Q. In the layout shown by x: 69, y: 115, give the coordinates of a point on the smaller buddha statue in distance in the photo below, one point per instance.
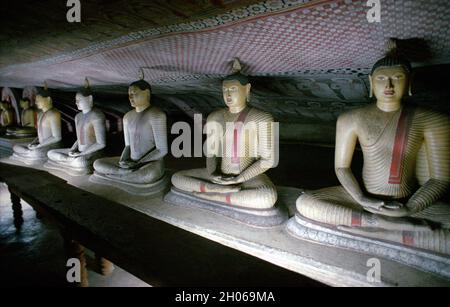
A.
x: 91, y: 138
x: 48, y: 128
x: 28, y: 121
x: 6, y: 116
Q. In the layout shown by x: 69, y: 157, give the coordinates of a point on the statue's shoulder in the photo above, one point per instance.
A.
x: 356, y: 114
x: 216, y: 115
x: 129, y: 115
x: 431, y: 117
x: 97, y: 114
x: 421, y: 111
x: 155, y: 111
x: 54, y: 112
x: 258, y: 115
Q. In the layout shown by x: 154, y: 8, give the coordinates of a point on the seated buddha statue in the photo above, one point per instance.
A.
x: 28, y: 118
x: 49, y: 132
x: 406, y: 169
x: 90, y: 129
x: 6, y: 116
x: 140, y: 168
x: 234, y: 178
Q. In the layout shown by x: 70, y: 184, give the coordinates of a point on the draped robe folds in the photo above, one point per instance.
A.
x: 90, y: 130
x: 145, y: 134
x: 49, y: 136
x: 411, y: 149
x: 238, y: 157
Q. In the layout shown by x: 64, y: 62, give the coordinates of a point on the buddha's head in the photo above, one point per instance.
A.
x: 84, y: 100
x: 390, y: 78
x: 43, y: 100
x: 236, y: 90
x: 24, y: 103
x: 139, y: 93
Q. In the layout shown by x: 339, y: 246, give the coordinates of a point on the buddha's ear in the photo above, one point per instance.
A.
x: 247, y: 91
x: 410, y: 81
x: 148, y: 93
x: 371, y: 87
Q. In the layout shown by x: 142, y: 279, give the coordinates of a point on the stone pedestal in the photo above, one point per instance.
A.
x: 148, y: 189
x: 306, y: 229
x: 29, y: 161
x: 21, y: 132
x: 8, y: 142
x: 254, y: 217
x: 73, y: 171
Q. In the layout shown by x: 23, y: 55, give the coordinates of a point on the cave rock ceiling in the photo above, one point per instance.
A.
x: 308, y: 60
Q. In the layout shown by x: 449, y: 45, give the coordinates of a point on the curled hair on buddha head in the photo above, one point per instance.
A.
x: 43, y: 91
x: 86, y: 91
x: 237, y: 75
x: 141, y: 83
x: 392, y: 58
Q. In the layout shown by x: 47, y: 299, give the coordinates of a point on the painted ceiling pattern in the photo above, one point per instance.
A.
x: 308, y: 59
x: 275, y: 37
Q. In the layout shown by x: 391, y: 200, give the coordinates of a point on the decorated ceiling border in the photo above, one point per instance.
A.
x: 235, y: 15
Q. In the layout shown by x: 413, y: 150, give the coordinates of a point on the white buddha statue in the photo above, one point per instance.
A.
x: 140, y: 168
x: 91, y: 139
x: 49, y: 132
x: 234, y: 182
x: 406, y: 168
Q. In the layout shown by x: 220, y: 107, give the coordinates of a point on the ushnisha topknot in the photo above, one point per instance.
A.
x: 43, y: 91
x: 392, y: 58
x: 86, y: 91
x: 141, y: 83
x: 237, y: 75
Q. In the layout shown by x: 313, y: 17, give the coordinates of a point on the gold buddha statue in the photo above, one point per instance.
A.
x: 233, y: 182
x: 49, y: 132
x: 28, y: 117
x: 140, y: 168
x: 406, y: 169
x: 91, y: 138
x: 6, y: 116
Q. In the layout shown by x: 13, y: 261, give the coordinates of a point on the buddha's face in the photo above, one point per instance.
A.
x: 83, y: 103
x: 24, y: 104
x: 234, y: 93
x: 43, y: 102
x: 390, y: 83
x: 138, y: 97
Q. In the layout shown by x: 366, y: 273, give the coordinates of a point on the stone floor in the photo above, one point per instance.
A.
x: 34, y: 254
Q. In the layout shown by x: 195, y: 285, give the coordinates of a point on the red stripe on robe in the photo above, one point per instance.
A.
x: 408, y: 238
x: 356, y: 219
x: 228, y: 199
x: 400, y: 143
x: 36, y: 119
